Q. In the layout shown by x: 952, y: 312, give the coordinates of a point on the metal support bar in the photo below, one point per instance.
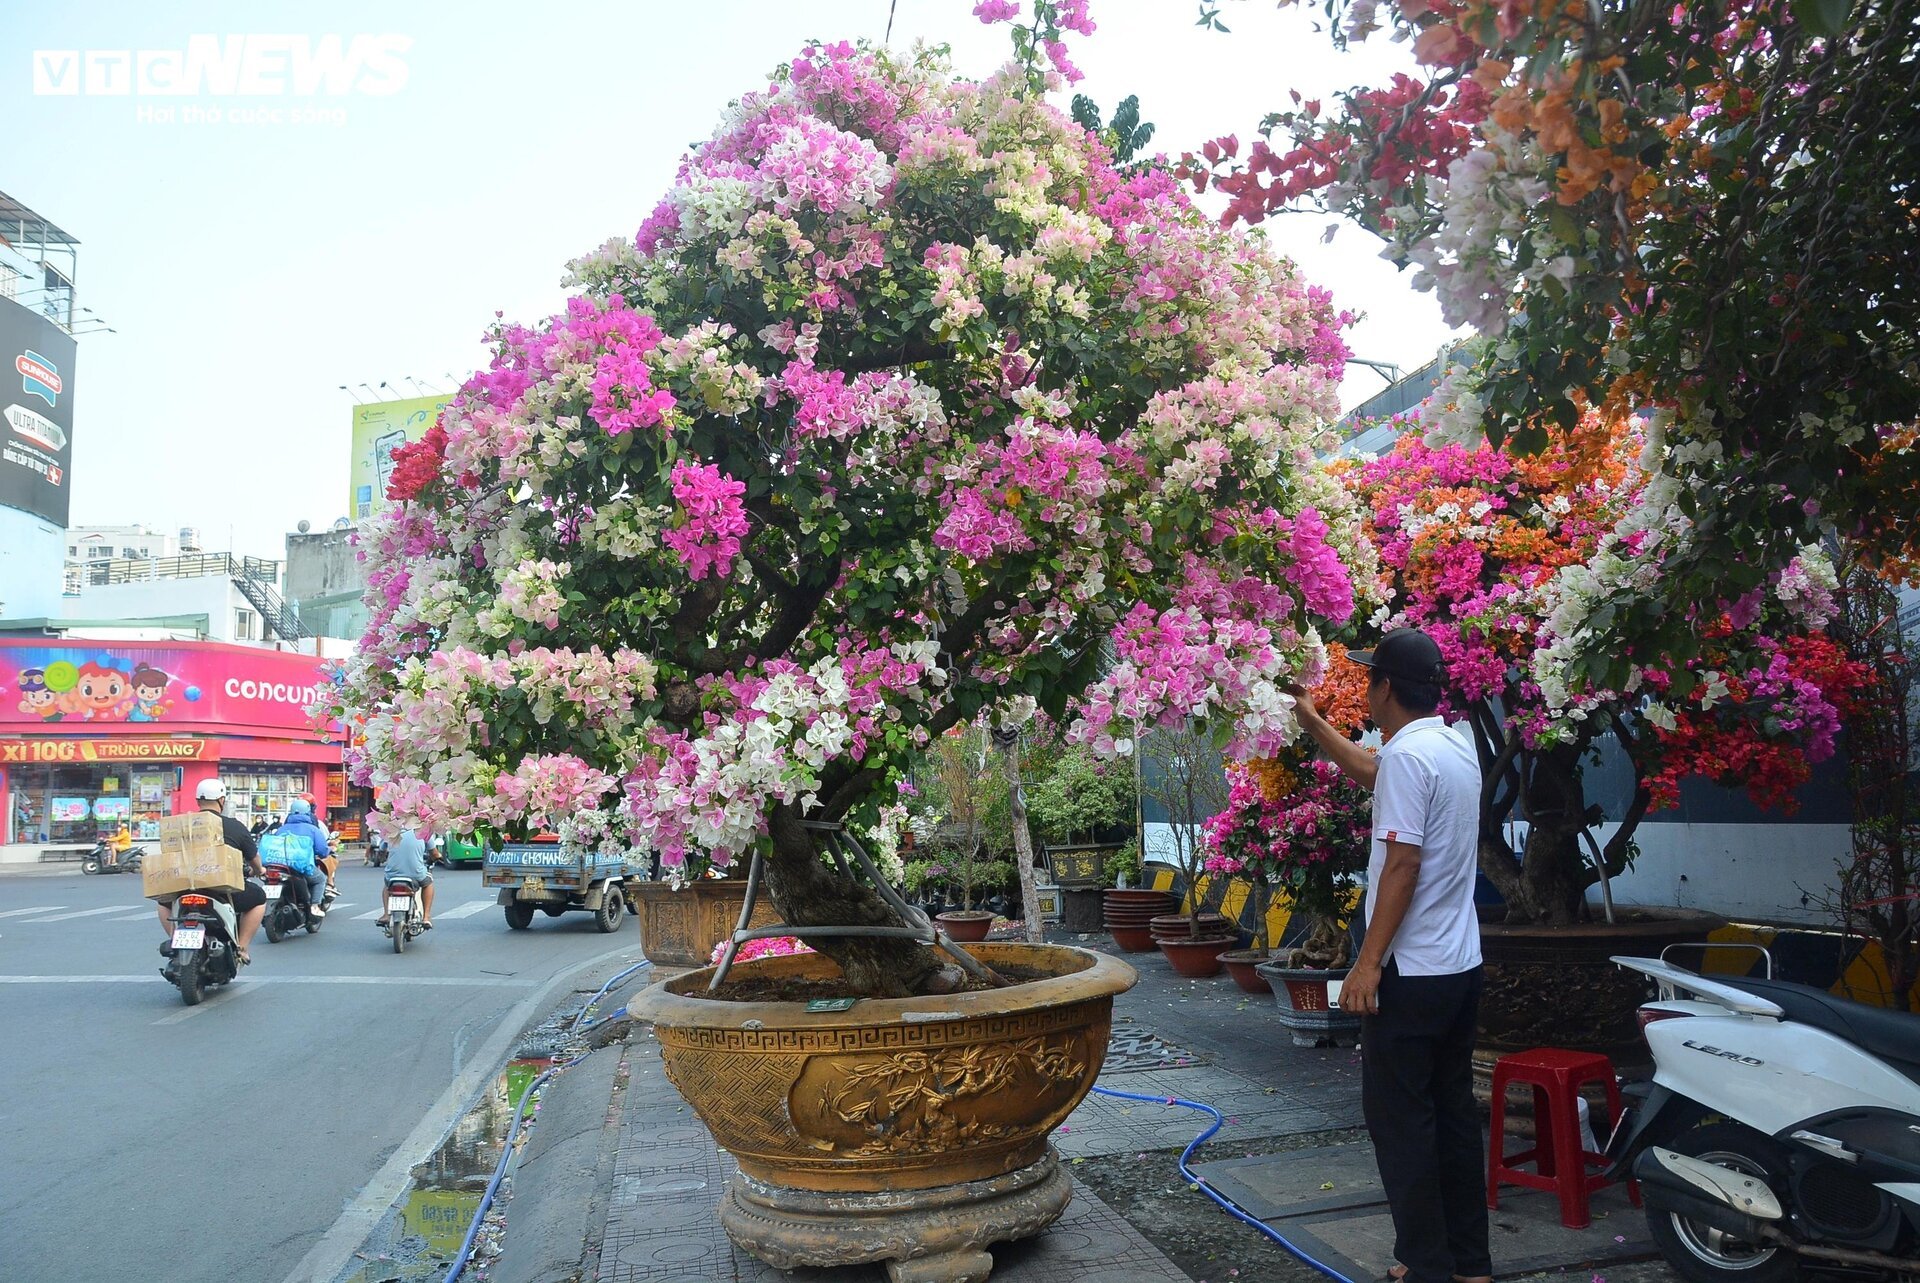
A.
x: 968, y: 963
x: 919, y: 928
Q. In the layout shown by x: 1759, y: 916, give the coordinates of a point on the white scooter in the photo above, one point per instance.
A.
x: 1781, y: 1130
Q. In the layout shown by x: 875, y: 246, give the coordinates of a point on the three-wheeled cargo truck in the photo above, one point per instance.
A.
x: 546, y: 877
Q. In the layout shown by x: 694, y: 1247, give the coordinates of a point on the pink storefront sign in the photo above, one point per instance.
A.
x: 110, y: 687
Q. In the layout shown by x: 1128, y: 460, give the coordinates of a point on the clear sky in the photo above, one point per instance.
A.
x: 251, y: 269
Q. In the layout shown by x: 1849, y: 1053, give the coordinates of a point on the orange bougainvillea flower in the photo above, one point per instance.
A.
x: 1342, y: 696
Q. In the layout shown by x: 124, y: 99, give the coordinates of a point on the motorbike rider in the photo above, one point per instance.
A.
x: 250, y: 902
x: 330, y: 857
x: 408, y: 859
x: 300, y: 823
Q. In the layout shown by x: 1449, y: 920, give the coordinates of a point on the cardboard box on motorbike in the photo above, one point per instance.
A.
x: 193, y: 856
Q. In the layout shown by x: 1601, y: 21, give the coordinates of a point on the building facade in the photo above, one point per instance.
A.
x: 37, y: 355
x: 88, y: 546
x: 234, y: 599
x: 97, y: 734
x: 325, y: 582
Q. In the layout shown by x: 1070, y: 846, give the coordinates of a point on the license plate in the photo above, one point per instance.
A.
x: 273, y: 890
x: 399, y: 904
x: 534, y: 884
x: 189, y: 937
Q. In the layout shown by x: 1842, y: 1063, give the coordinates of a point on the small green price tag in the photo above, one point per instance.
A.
x: 831, y: 1004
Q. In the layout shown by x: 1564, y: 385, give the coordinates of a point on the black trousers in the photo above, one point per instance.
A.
x: 1416, y: 1087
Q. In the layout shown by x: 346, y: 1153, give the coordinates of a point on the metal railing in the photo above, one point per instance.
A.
x: 199, y: 565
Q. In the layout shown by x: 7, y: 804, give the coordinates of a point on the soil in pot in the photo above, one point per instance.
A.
x: 1240, y: 964
x: 1196, y: 959
x: 745, y: 986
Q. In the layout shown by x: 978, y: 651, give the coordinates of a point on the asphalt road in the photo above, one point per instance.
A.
x: 254, y: 1138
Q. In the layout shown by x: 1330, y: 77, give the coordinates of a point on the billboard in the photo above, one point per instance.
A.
x: 108, y: 687
x: 377, y: 429
x: 36, y: 401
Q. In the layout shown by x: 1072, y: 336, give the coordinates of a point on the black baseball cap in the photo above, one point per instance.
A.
x: 1406, y: 653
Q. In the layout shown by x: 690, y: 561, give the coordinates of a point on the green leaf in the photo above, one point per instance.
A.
x: 1823, y: 17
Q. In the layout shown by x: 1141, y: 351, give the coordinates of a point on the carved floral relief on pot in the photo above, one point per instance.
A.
x: 942, y: 1099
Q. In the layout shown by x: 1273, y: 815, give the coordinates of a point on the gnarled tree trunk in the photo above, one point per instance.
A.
x: 811, y: 894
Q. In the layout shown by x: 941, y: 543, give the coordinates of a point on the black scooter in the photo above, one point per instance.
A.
x: 104, y: 859
x: 289, y: 903
x: 201, y: 953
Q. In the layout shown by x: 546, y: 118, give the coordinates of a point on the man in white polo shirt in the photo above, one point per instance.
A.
x: 1416, y: 982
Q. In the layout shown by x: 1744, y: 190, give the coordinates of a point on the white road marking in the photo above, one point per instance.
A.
x: 467, y: 910
x: 329, y: 1257
x: 474, y: 982
x: 368, y: 916
x: 219, y: 997
x: 44, y: 908
x: 82, y: 913
x: 148, y: 916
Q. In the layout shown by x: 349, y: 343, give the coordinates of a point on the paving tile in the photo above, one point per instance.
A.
x: 1526, y: 1236
x: 1333, y: 1178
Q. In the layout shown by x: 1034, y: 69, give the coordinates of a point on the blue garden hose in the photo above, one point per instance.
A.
x: 1198, y: 1182
x: 519, y: 1111
x: 601, y: 992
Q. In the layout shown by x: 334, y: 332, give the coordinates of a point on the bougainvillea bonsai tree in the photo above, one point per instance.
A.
x: 1680, y: 206
x: 1484, y: 551
x: 905, y: 401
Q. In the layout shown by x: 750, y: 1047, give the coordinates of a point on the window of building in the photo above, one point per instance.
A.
x: 243, y: 625
x: 99, y: 554
x: 9, y: 282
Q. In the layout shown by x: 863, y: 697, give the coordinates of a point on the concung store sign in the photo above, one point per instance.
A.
x: 113, y: 688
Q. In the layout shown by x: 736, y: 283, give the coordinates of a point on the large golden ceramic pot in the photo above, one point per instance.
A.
x: 679, y: 928
x: 895, y: 1093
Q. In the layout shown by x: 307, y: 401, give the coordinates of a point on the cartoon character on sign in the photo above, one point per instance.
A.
x: 149, y: 688
x: 102, y: 694
x: 37, y: 699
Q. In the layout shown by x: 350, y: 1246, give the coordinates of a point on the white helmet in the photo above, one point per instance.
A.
x: 210, y: 791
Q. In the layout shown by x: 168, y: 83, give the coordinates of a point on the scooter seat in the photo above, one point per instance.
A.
x: 1891, y: 1035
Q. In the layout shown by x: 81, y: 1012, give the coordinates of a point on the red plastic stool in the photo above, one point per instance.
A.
x: 1556, y: 1077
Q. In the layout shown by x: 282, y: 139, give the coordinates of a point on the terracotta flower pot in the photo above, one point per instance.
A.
x: 1177, y: 926
x: 908, y: 1129
x: 1135, y: 896
x: 1241, y: 964
x: 1132, y: 939
x: 1196, y: 959
x: 680, y: 928
x: 966, y: 926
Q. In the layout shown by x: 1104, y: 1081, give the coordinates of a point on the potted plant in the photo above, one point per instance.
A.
x: 1185, y: 776
x: 925, y: 882
x: 1296, y: 823
x: 812, y: 470
x: 974, y: 875
x: 962, y: 799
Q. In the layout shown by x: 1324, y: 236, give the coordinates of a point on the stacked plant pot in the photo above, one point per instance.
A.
x: 1193, y: 946
x: 1129, y: 916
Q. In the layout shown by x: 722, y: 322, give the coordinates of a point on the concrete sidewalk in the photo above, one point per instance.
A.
x: 1291, y: 1151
